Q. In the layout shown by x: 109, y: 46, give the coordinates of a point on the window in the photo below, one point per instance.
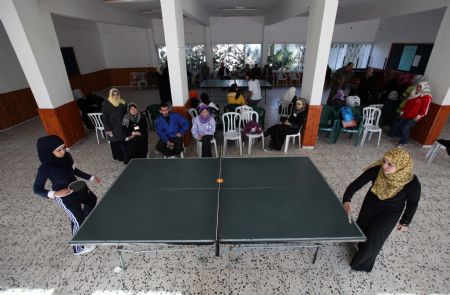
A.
x: 235, y: 56
x: 195, y: 56
x: 286, y: 56
x: 343, y: 53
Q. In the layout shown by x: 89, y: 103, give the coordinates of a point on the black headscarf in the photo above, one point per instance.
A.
x: 45, y: 147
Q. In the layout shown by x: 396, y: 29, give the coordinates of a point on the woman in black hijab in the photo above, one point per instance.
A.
x: 58, y: 166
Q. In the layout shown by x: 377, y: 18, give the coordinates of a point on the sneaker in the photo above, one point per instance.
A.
x: 86, y: 250
x: 401, y: 145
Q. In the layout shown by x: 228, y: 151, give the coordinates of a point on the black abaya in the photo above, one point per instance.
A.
x: 377, y: 218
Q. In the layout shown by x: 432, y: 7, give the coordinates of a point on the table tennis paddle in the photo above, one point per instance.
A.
x: 77, y: 185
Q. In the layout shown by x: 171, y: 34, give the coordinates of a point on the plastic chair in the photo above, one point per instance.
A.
x: 193, y: 113
x: 231, y: 130
x: 351, y: 130
x: 199, y: 147
x: 247, y: 117
x: 370, y: 123
x: 284, y: 111
x: 295, y: 78
x: 242, y: 109
x: 378, y: 106
x: 142, y: 79
x: 432, y: 153
x: 134, y: 79
x: 293, y: 136
x: 328, y: 122
x: 281, y: 77
x: 97, y: 120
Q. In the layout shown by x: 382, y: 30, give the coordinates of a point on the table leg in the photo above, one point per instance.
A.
x: 315, y: 254
x: 121, y: 260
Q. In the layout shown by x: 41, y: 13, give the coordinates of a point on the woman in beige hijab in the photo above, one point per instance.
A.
x: 113, y: 109
x: 394, y: 188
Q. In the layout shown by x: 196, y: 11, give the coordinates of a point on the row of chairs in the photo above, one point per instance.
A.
x: 367, y: 124
x: 138, y: 79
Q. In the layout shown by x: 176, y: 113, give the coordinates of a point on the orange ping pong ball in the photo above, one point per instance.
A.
x: 219, y: 180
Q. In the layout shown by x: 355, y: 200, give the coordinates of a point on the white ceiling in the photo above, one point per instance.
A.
x: 214, y: 7
x: 348, y: 10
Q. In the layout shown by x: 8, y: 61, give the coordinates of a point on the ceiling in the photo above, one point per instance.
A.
x: 214, y: 7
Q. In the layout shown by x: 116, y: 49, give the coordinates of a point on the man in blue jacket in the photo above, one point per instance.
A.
x: 170, y: 127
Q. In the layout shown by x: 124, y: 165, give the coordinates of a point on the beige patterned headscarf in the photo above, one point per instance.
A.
x: 387, y: 186
x: 115, y: 102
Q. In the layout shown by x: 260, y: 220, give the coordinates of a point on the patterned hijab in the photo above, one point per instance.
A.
x: 387, y: 186
x: 425, y: 90
x: 115, y: 102
x: 128, y: 117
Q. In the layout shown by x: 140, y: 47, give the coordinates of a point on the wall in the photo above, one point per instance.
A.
x: 84, y: 37
x: 124, y: 47
x: 11, y: 74
x: 411, y: 28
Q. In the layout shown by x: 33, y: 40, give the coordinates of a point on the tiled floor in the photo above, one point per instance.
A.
x: 35, y: 257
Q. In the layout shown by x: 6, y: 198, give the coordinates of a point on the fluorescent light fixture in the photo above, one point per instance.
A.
x: 240, y: 8
x: 150, y: 11
x: 126, y: 1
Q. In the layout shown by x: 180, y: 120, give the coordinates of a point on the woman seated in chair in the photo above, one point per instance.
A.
x: 135, y: 129
x: 338, y: 100
x: 235, y: 95
x: 290, y: 126
x: 204, y: 99
x: 203, y: 128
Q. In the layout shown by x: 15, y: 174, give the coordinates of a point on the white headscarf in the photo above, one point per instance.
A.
x: 425, y: 90
x: 288, y: 96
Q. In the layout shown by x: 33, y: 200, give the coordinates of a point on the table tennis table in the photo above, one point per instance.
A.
x: 269, y: 201
x: 241, y: 83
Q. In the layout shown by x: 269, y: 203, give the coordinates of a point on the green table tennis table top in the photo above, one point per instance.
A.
x: 261, y: 200
x: 241, y: 83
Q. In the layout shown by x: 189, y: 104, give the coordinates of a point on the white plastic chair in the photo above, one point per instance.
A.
x: 142, y: 79
x: 370, y: 123
x: 231, y: 130
x: 295, y: 78
x: 134, y: 79
x: 193, y: 113
x: 293, y: 136
x: 96, y: 119
x: 432, y: 153
x: 281, y: 77
x: 247, y: 117
x: 243, y: 108
x: 284, y: 111
x: 199, y: 147
x: 378, y: 106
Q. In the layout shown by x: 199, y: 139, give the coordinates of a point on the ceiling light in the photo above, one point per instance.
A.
x: 240, y: 8
x: 126, y: 1
x: 155, y: 10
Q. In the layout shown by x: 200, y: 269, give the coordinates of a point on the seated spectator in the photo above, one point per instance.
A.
x: 289, y: 96
x: 135, y: 128
x: 338, y: 100
x: 87, y: 104
x: 170, y: 127
x: 204, y: 99
x: 235, y: 95
x: 290, y: 126
x: 203, y: 128
x: 193, y: 96
x: 415, y: 108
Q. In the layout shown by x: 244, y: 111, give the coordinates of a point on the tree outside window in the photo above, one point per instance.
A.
x: 195, y: 56
x: 235, y: 56
x: 286, y: 56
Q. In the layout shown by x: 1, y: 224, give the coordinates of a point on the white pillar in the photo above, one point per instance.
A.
x: 152, y: 48
x: 438, y: 71
x: 172, y: 16
x: 321, y: 20
x: 264, y: 48
x: 33, y: 37
x: 209, y: 50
